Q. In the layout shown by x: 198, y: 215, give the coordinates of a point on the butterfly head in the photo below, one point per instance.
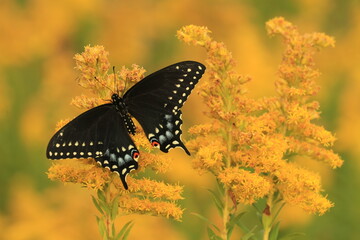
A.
x: 115, y: 98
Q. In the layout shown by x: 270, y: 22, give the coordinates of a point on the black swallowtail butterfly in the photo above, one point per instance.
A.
x: 103, y: 132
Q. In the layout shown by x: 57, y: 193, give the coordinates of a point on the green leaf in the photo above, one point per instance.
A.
x: 212, y: 235
x: 249, y: 234
x: 101, y: 196
x: 102, y: 227
x: 126, y: 233
x: 292, y: 236
x: 258, y: 212
x: 231, y: 224
x: 113, y: 230
x: 206, y: 220
x: 115, y: 208
x: 243, y: 227
x: 274, y: 233
x: 218, y: 202
x: 277, y: 209
x: 96, y: 203
x: 220, y: 188
x: 123, y: 230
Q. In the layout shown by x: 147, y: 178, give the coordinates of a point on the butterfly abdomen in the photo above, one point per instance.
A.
x: 123, y: 111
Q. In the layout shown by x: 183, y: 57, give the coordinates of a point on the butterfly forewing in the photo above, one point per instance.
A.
x: 98, y: 133
x: 156, y: 101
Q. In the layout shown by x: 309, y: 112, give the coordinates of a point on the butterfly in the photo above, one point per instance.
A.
x: 103, y: 132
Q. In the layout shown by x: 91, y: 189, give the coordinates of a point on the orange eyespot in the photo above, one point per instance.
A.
x: 155, y: 144
x: 136, y: 155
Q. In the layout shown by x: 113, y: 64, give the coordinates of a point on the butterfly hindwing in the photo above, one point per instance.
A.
x: 98, y: 133
x: 156, y: 100
x: 165, y: 131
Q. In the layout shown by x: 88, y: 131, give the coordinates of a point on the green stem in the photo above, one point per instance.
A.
x: 225, y: 214
x: 267, y: 217
x: 226, y: 211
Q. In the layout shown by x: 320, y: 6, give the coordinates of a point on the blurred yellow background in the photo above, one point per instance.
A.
x: 38, y: 39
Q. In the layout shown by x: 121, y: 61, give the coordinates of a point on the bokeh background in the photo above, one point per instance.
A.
x: 38, y: 39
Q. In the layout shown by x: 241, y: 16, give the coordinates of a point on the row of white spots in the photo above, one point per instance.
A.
x: 76, y: 144
x: 67, y: 154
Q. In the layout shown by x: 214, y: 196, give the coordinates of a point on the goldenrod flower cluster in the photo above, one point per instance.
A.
x: 251, y: 143
x: 144, y: 195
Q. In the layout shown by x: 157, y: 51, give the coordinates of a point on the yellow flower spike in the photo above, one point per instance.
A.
x: 61, y: 123
x: 81, y: 171
x: 132, y: 75
x: 93, y: 64
x: 146, y: 206
x: 84, y: 102
x: 194, y: 35
x: 144, y: 196
x: 205, y: 129
x: 156, y: 190
x: 247, y: 187
x: 247, y: 151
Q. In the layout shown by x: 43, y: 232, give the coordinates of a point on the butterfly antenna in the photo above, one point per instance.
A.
x: 103, y: 84
x: 115, y: 85
x: 122, y: 94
